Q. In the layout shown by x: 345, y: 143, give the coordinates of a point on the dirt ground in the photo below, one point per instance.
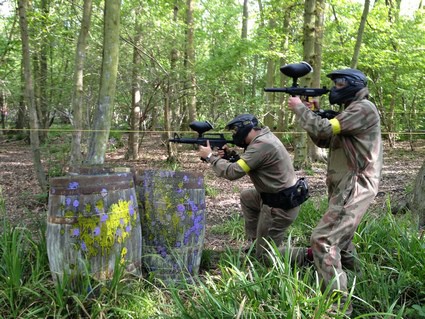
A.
x: 25, y: 205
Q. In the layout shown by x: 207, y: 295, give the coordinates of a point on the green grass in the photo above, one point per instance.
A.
x: 391, y: 254
x: 233, y: 226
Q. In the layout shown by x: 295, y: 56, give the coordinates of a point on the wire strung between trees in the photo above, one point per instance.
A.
x: 162, y: 132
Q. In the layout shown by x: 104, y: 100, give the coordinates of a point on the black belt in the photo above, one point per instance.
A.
x: 289, y: 197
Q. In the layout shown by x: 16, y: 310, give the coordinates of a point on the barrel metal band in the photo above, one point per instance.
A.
x: 62, y: 220
x: 54, y: 190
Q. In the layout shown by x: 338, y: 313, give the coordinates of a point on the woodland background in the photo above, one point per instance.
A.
x: 108, y: 82
x: 95, y: 69
x: 158, y: 65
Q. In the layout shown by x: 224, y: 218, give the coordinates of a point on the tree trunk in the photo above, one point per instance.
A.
x: 301, y: 145
x: 271, y: 67
x: 317, y: 154
x: 190, y: 61
x: 283, y: 113
x: 417, y: 204
x: 244, y: 34
x: 77, y: 99
x: 21, y: 117
x: 44, y: 51
x: 3, y: 111
x: 169, y: 107
x: 242, y: 90
x: 30, y: 97
x: 103, y: 112
x: 133, y: 137
x: 360, y: 32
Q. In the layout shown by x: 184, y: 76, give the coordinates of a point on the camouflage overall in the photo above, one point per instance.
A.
x: 354, y: 168
x: 268, y: 164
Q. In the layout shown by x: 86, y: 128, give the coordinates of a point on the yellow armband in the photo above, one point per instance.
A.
x: 243, y: 165
x: 336, y: 126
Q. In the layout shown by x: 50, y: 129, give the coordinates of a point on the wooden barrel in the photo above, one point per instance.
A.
x: 93, y: 223
x: 173, y: 222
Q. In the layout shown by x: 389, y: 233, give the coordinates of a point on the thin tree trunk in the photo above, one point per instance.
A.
x: 133, y: 137
x: 283, y: 113
x: 360, y: 32
x: 317, y: 154
x: 417, y: 204
x: 21, y: 118
x: 244, y: 36
x: 103, y: 112
x: 30, y: 97
x: 3, y: 110
x: 190, y: 61
x: 77, y: 99
x: 44, y: 49
x: 301, y: 146
x: 170, y: 94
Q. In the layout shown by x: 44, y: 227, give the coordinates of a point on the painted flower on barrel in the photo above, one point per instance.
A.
x: 97, y: 234
x: 96, y: 231
x: 192, y: 205
x: 73, y: 185
x: 104, y: 192
x: 195, y: 230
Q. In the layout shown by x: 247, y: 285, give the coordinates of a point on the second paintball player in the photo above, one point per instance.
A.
x: 273, y: 204
x: 354, y: 168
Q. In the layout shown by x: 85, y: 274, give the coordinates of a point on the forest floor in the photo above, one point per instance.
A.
x: 26, y: 205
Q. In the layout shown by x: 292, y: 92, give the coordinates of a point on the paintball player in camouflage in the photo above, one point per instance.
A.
x: 268, y: 164
x: 354, y: 168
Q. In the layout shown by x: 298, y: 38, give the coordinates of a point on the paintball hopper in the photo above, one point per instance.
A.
x: 296, y: 70
x: 201, y: 127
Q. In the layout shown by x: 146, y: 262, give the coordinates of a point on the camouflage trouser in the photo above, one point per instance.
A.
x: 331, y: 239
x: 263, y: 222
x: 302, y: 256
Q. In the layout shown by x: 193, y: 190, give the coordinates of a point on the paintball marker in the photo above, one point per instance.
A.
x: 217, y: 140
x: 298, y: 70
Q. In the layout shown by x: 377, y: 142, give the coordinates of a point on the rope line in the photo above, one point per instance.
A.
x: 162, y: 132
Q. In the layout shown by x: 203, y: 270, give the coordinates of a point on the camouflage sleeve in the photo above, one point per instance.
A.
x: 357, y: 117
x: 318, y: 128
x: 224, y: 168
x: 251, y: 159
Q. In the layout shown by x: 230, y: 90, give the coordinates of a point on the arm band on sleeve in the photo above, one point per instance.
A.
x: 243, y: 165
x: 336, y: 126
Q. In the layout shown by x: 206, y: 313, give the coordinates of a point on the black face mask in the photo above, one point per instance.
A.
x: 343, y: 95
x: 240, y: 135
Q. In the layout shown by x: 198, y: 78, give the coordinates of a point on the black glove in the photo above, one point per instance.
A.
x: 231, y: 156
x: 326, y: 114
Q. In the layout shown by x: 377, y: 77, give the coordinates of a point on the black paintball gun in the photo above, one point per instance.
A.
x: 217, y: 140
x: 298, y: 70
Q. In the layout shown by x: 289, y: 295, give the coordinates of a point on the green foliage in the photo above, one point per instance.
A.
x: 211, y: 191
x: 230, y: 71
x: 233, y: 226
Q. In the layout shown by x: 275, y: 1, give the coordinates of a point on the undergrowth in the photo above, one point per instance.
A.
x: 236, y: 285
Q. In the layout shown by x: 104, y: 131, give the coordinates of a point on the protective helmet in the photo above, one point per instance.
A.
x: 241, y: 125
x: 354, y: 79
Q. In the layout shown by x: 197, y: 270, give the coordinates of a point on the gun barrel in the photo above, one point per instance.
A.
x: 300, y: 91
x: 284, y: 90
